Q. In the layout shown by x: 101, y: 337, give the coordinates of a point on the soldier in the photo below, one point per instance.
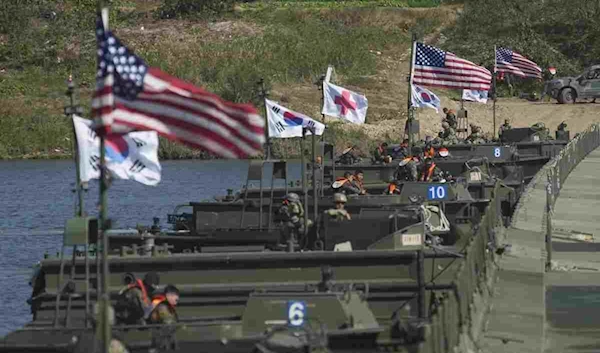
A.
x: 379, y: 155
x: 504, y: 127
x: 134, y: 300
x: 448, y: 136
x: 450, y: 117
x: 541, y: 132
x: 348, y: 157
x: 338, y: 213
x: 430, y: 171
x: 358, y: 182
x: 346, y: 185
x: 562, y: 126
x: 407, y: 170
x: 475, y: 137
x: 162, y: 310
x: 401, y: 151
x: 291, y: 213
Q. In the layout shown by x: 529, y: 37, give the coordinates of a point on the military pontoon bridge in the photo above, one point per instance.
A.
x: 548, y: 284
x: 498, y: 311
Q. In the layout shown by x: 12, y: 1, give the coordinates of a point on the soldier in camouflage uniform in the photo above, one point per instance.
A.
x: 430, y: 171
x: 338, y: 213
x: 379, y: 155
x: 504, y: 127
x: 448, y: 136
x: 348, y: 156
x: 134, y: 300
x: 450, y: 118
x: 407, y: 170
x: 291, y: 213
x: 162, y: 310
x: 562, y: 126
x: 541, y: 131
x: 476, y: 137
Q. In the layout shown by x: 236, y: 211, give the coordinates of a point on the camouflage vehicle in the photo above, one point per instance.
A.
x: 567, y: 90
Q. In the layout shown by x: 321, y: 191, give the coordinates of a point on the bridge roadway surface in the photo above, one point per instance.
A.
x: 556, y: 311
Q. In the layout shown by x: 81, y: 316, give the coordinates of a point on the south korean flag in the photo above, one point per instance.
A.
x: 284, y: 123
x: 132, y: 156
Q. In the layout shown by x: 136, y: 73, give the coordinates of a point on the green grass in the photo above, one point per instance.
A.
x: 286, y: 45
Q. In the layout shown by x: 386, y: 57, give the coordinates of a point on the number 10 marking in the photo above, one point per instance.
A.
x: 436, y: 192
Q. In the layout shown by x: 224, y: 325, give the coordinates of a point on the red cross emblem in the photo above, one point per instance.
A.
x: 344, y: 102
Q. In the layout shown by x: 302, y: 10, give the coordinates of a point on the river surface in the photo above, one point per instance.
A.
x: 36, y: 199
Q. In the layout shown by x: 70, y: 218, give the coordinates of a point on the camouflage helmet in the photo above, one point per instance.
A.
x: 339, y: 197
x: 445, y: 125
x: 539, y: 126
x: 292, y: 197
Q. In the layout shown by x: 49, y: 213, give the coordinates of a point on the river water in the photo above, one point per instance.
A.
x: 36, y: 199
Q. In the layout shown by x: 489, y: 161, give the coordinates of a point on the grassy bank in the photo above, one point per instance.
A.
x: 286, y: 43
x: 550, y: 32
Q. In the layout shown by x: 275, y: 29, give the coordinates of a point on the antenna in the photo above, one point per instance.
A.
x: 71, y: 110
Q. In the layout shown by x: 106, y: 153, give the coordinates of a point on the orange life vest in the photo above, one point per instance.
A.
x: 391, y: 188
x: 427, y: 176
x: 430, y: 152
x: 156, y: 301
x: 339, y: 182
x: 140, y: 285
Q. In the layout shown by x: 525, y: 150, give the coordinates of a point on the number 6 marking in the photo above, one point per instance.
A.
x: 497, y: 152
x: 296, y: 313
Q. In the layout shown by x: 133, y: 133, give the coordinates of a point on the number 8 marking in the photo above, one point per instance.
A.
x: 296, y: 313
x: 497, y: 152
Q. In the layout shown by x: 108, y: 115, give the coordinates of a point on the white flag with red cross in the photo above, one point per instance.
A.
x: 345, y: 104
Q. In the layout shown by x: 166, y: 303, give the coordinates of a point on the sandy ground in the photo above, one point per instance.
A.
x: 387, y: 94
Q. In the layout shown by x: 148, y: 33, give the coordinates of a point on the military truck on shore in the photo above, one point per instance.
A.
x: 567, y: 90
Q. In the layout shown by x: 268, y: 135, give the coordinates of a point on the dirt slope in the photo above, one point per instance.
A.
x: 387, y: 93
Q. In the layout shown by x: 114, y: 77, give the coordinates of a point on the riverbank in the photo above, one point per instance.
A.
x: 287, y: 43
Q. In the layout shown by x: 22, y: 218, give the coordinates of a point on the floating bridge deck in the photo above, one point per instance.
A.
x: 548, y: 299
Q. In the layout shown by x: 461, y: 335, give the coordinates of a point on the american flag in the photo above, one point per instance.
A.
x: 132, y: 96
x: 438, y: 68
x: 515, y: 63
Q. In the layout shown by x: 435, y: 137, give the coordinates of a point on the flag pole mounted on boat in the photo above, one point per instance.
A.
x: 411, y: 116
x: 262, y: 93
x: 70, y: 111
x: 104, y: 224
x: 494, y: 90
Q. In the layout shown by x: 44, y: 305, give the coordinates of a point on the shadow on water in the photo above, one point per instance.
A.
x: 36, y: 200
x: 573, y: 307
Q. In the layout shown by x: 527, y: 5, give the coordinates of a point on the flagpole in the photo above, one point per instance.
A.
x: 70, y: 111
x: 263, y: 94
x: 494, y: 89
x: 321, y: 88
x: 409, y: 98
x: 106, y: 329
